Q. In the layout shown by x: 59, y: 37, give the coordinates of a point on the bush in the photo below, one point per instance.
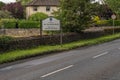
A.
x: 107, y: 23
x: 11, y: 23
x: 38, y: 16
x: 102, y: 23
x: 8, y: 23
x: 4, y: 40
x: 29, y: 24
x: 5, y: 14
x: 117, y: 22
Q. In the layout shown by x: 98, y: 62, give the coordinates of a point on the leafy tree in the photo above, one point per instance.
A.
x: 38, y: 16
x: 24, y: 2
x: 114, y: 5
x: 103, y: 11
x: 75, y: 14
x: 16, y: 9
x: 1, y: 5
x: 5, y: 14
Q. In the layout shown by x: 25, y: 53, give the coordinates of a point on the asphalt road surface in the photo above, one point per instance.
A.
x: 98, y: 62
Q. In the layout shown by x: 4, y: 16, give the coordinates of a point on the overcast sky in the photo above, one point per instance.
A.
x: 8, y: 1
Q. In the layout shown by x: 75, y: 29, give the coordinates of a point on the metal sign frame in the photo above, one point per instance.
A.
x: 51, y: 24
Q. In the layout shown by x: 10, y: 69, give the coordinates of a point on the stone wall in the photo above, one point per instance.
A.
x: 25, y: 43
x: 29, y: 42
x: 20, y: 32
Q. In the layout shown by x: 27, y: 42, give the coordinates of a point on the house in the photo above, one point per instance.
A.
x: 45, y: 6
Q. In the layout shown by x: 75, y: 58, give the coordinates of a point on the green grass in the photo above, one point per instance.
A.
x: 20, y: 54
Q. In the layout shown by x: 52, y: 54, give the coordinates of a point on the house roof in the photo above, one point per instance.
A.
x: 44, y: 3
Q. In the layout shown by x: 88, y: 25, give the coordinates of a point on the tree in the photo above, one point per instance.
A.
x: 38, y: 16
x: 16, y: 9
x: 102, y: 10
x: 75, y: 14
x: 114, y: 5
x: 5, y: 14
x: 1, y: 5
x: 24, y: 2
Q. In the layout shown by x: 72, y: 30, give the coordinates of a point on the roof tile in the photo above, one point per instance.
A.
x: 44, y: 3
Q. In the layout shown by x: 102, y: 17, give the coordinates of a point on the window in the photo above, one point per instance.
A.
x: 34, y: 8
x: 47, y: 8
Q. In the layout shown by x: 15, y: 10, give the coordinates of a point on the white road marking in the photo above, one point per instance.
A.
x: 57, y: 71
x: 100, y: 55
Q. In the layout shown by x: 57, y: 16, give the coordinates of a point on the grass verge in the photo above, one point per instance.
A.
x: 20, y: 54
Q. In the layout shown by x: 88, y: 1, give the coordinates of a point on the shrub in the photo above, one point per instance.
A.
x: 5, y: 14
x: 117, y: 22
x: 107, y: 23
x: 11, y: 23
x: 8, y: 23
x: 102, y: 23
x: 38, y: 16
x: 4, y: 40
x: 29, y: 24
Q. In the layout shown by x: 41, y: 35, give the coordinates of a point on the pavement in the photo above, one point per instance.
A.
x: 98, y: 62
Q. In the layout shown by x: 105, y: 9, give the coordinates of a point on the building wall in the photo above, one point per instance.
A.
x: 30, y: 11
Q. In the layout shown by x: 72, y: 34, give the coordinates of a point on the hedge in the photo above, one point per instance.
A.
x: 8, y: 23
x: 3, y: 41
x: 107, y: 23
x: 29, y: 24
x: 117, y: 22
x: 21, y: 24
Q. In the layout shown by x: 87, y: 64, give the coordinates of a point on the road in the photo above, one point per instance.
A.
x: 98, y: 62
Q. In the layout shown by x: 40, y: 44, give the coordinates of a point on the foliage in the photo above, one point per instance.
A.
x: 75, y: 14
x: 103, y: 11
x: 38, y: 16
x: 5, y: 14
x: 1, y: 5
x: 24, y: 2
x: 11, y: 23
x: 116, y: 22
x: 8, y: 23
x: 107, y: 23
x: 5, y: 39
x: 96, y: 18
x: 102, y: 23
x: 3, y: 42
x: 29, y: 24
x: 16, y: 9
x: 114, y: 5
x: 20, y: 54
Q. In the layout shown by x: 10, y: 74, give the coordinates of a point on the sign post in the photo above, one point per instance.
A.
x: 41, y: 28
x: 113, y: 18
x: 52, y: 24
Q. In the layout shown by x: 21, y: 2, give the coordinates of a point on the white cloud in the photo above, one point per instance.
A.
x: 8, y: 1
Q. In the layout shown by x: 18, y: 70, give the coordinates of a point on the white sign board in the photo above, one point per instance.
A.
x: 50, y: 24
